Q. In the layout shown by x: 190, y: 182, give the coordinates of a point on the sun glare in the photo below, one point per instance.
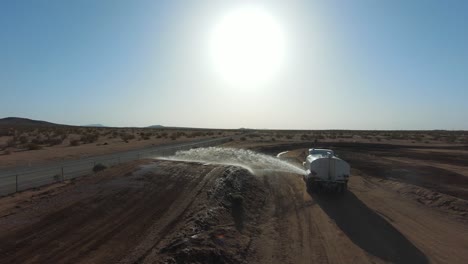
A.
x: 247, y: 47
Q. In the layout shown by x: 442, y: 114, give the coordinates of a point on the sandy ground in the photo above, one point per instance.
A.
x: 155, y: 211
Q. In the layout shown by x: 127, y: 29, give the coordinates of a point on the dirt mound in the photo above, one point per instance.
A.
x: 218, y: 228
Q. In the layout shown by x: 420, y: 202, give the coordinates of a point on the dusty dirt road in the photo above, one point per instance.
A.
x: 176, y: 212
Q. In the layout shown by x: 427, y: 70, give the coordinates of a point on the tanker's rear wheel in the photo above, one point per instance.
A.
x: 342, y: 187
x: 311, y: 185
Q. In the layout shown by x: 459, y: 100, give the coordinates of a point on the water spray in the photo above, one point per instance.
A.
x: 253, y: 161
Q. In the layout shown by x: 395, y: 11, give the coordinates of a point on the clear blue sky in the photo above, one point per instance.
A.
x: 348, y: 65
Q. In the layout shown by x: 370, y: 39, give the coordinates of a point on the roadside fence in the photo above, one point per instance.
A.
x: 20, y: 180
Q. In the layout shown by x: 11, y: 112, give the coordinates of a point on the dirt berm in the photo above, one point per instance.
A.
x: 156, y: 211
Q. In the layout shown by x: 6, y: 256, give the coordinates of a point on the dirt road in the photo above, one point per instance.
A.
x: 177, y: 212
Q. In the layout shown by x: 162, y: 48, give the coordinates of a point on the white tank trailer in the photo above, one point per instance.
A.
x: 325, y: 171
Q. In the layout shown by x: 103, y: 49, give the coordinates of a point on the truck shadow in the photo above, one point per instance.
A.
x: 367, y: 229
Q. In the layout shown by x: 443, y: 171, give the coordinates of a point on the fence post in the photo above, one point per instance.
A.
x: 16, y: 182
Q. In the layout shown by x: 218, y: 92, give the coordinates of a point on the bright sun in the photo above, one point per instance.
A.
x: 247, y: 47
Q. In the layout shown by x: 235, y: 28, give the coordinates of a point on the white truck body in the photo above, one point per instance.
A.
x: 326, y: 171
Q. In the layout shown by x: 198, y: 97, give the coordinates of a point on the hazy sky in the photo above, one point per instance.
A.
x: 346, y: 64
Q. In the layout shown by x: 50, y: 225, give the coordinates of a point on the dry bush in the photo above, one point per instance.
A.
x: 54, y: 141
x: 89, y: 138
x: 99, y: 167
x: 145, y: 136
x: 174, y: 136
x: 33, y: 146
x: 4, y: 132
x: 11, y: 143
x: 196, y: 134
x: 74, y: 142
x: 23, y: 139
x: 127, y: 137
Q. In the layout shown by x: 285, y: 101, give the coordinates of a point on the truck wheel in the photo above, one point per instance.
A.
x: 311, y: 186
x: 343, y: 187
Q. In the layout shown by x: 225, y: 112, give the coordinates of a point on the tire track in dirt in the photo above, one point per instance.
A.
x: 168, y: 222
x: 113, y: 217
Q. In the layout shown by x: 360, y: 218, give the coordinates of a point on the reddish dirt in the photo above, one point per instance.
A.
x: 157, y: 211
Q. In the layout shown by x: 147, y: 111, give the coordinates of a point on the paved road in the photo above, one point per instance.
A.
x: 21, y: 178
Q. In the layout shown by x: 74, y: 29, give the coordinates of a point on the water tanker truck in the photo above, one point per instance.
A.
x: 325, y: 171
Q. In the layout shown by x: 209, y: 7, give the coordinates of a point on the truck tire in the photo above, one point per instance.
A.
x: 311, y: 185
x: 341, y: 188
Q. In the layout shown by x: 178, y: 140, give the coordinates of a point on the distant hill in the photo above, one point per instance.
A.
x: 94, y: 125
x: 155, y: 126
x: 18, y: 121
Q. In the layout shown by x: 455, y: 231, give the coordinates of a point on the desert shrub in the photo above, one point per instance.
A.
x: 4, y: 132
x: 55, y: 141
x: 126, y: 137
x: 74, y: 142
x: 196, y: 134
x: 145, y: 136
x: 23, y: 139
x: 57, y: 177
x: 173, y: 136
x: 243, y: 139
x: 451, y: 139
x: 11, y: 143
x: 33, y: 146
x: 99, y: 167
x: 289, y: 136
x: 7, y: 152
x: 38, y: 141
x: 89, y: 138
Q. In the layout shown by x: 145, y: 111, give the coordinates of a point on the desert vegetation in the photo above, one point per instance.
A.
x: 28, y: 138
x: 375, y: 136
